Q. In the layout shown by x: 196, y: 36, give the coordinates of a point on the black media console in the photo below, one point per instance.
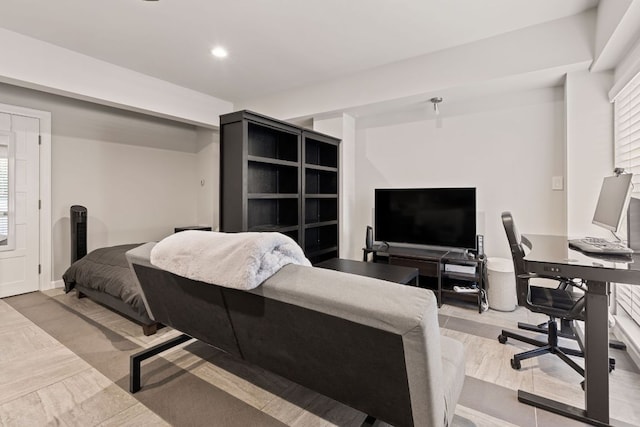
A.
x: 440, y: 270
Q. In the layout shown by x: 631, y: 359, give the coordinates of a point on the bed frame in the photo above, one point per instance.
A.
x: 149, y: 326
x: 78, y: 220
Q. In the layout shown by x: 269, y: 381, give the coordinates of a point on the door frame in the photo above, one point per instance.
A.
x: 45, y: 281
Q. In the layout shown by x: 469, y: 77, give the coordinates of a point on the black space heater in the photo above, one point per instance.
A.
x: 78, y: 216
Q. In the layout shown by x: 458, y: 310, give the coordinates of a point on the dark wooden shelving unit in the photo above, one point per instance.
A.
x: 279, y: 177
x: 320, y: 202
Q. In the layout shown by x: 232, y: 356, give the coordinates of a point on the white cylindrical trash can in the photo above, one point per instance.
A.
x: 501, y: 284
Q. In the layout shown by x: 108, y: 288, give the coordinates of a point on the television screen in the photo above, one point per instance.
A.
x: 443, y: 217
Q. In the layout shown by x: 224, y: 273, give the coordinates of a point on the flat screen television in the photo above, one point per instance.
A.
x: 442, y: 217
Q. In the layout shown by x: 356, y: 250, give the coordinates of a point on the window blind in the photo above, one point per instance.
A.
x: 4, y: 196
x: 627, y: 156
x: 627, y: 131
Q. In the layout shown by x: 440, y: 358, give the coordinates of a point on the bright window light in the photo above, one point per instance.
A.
x: 219, y: 52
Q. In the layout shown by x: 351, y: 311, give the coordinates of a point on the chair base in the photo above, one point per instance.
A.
x: 543, y: 348
x: 550, y: 346
x: 565, y: 332
x: 565, y: 329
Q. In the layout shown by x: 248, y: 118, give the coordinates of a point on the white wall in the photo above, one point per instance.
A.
x: 35, y: 64
x: 132, y: 194
x: 344, y: 127
x: 137, y: 175
x: 589, y: 147
x: 550, y: 48
x: 626, y: 70
x: 609, y: 39
x: 509, y: 149
x: 208, y: 171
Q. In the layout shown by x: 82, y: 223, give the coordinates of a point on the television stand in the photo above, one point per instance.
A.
x: 450, y: 274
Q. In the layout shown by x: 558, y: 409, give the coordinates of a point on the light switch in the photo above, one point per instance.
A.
x: 557, y: 183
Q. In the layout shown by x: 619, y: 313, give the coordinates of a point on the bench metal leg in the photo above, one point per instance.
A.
x: 136, y: 359
x: 368, y: 422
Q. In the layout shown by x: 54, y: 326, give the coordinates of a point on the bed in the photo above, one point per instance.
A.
x: 104, y: 276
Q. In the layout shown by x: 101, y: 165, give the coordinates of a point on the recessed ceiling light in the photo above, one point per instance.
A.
x: 219, y: 52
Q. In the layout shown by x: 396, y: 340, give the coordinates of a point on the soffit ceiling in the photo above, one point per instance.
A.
x: 273, y: 45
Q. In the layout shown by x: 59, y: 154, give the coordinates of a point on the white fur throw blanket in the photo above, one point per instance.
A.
x: 232, y: 260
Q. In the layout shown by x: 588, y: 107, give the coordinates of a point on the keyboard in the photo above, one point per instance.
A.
x: 598, y: 245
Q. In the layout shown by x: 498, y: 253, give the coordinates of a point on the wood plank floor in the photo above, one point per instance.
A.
x: 64, y: 361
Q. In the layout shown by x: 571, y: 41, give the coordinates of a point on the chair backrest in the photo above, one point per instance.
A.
x: 523, y: 277
x: 517, y: 254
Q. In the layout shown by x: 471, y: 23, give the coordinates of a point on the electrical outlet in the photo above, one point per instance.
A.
x: 557, y: 183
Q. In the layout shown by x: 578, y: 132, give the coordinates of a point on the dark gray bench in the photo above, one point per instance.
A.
x: 370, y: 344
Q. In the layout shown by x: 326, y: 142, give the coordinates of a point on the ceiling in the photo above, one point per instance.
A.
x: 273, y: 45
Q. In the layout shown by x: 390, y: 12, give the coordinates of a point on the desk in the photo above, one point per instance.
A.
x: 550, y: 255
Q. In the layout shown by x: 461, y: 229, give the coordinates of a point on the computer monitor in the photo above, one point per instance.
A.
x: 613, y: 201
x: 633, y: 224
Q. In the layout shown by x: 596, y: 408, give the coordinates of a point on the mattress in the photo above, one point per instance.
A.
x: 106, y: 270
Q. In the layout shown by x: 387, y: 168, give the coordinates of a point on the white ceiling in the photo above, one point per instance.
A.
x: 273, y: 45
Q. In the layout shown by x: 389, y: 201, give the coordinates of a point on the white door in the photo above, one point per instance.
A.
x: 19, y: 210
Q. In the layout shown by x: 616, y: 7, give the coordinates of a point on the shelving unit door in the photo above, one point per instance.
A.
x: 260, y: 168
x: 267, y: 214
x: 320, y: 210
x: 272, y: 143
x: 321, y: 242
x: 320, y: 196
x: 273, y: 179
x: 267, y: 178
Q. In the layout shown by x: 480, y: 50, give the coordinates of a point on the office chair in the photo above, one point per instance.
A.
x: 557, y: 303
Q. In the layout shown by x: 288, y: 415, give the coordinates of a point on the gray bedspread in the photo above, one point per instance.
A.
x: 106, y: 270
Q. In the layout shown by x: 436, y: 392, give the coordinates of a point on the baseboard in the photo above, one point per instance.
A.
x: 54, y: 284
x: 627, y: 331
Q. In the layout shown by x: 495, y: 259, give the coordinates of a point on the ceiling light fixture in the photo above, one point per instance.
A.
x: 219, y: 52
x: 436, y: 100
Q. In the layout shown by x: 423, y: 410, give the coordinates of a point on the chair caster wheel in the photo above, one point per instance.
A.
x: 502, y: 339
x: 515, y: 364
